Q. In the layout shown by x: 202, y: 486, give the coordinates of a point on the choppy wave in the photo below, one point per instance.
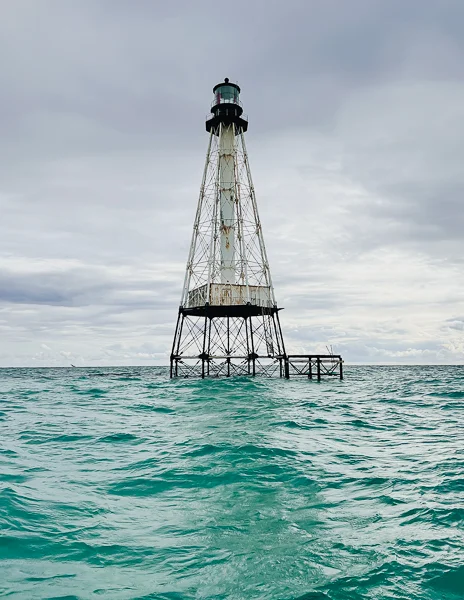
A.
x: 119, y: 483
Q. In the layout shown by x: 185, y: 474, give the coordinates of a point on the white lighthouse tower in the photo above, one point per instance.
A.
x: 228, y: 320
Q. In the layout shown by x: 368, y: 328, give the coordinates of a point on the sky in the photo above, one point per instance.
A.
x: 356, y: 145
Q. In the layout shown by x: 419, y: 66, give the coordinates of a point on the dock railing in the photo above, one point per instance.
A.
x: 314, y: 366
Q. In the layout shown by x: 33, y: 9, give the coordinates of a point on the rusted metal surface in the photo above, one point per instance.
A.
x: 228, y: 321
x: 315, y: 366
x: 225, y: 294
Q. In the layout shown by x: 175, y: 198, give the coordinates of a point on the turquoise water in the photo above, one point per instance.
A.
x: 118, y: 483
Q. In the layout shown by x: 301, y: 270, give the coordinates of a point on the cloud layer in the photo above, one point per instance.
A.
x: 356, y: 145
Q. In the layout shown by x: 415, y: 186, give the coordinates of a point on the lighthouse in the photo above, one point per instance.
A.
x: 228, y: 320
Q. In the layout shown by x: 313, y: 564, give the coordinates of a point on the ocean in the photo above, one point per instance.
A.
x: 119, y: 483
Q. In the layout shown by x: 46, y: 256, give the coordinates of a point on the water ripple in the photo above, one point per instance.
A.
x: 119, y: 483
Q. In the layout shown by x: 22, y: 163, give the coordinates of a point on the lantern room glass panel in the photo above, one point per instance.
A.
x: 226, y: 94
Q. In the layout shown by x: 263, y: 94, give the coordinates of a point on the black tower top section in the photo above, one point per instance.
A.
x: 226, y: 108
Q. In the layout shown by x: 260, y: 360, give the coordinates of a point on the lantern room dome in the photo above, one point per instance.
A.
x: 226, y: 108
x: 226, y: 92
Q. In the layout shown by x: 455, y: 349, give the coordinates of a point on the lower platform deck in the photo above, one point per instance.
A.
x: 310, y: 366
x: 227, y: 340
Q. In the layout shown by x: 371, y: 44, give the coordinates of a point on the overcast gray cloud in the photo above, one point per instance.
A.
x: 356, y: 144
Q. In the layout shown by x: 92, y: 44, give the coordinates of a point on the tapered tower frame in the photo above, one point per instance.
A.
x: 228, y: 320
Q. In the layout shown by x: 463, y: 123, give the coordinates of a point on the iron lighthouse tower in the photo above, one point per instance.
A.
x: 228, y: 320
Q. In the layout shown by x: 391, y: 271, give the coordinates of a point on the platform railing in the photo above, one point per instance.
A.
x: 314, y: 366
